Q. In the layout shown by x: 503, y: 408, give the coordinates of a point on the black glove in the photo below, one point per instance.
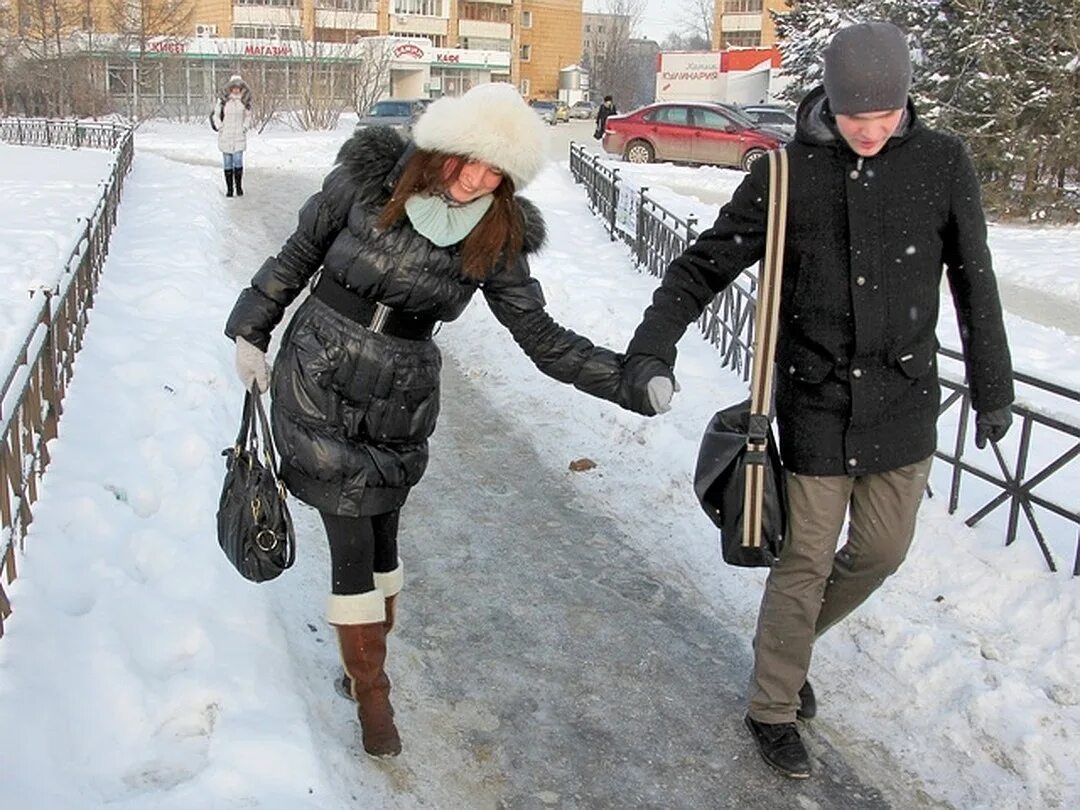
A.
x: 992, y: 425
x: 637, y: 371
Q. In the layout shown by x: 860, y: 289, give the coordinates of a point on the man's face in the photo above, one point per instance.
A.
x: 866, y: 133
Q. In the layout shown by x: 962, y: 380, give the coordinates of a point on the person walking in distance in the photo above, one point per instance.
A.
x: 606, y: 110
x: 878, y: 204
x: 405, y: 234
x: 231, y: 119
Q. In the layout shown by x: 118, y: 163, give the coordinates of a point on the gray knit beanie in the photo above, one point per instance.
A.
x: 867, y: 68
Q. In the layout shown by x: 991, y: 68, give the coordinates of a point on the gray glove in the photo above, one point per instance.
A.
x: 251, y: 366
x: 660, y: 391
x: 992, y: 425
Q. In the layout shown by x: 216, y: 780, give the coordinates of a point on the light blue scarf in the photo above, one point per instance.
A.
x: 443, y: 222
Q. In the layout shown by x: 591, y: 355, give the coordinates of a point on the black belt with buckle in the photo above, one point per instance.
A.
x: 370, y: 314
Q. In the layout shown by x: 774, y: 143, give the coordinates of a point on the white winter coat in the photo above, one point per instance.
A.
x: 232, y: 120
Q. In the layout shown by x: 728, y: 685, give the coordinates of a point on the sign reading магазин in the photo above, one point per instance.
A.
x: 403, y: 52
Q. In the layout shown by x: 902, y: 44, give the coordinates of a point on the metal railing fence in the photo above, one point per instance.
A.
x: 1049, y: 439
x: 42, y: 363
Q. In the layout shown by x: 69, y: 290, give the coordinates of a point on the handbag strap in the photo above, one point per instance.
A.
x: 247, y: 415
x: 766, y: 329
x: 255, y: 431
x: 766, y: 324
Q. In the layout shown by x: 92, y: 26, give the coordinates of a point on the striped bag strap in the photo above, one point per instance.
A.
x: 766, y: 330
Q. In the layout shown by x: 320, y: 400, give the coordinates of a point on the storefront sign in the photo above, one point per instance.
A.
x: 407, y: 50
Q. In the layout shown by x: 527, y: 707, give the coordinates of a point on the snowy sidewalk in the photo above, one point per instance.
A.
x: 566, y: 639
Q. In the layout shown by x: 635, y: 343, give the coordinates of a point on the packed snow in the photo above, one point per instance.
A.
x: 46, y: 198
x: 134, y: 670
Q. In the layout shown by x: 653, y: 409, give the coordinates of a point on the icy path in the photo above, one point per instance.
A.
x: 566, y: 640
x: 540, y: 659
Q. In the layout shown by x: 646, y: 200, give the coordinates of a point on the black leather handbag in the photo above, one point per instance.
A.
x: 254, y: 527
x: 739, y: 479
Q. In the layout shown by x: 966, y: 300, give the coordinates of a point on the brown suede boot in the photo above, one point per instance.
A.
x: 359, y: 621
x: 390, y: 584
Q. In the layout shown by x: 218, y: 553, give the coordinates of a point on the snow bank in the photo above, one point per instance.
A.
x: 46, y: 196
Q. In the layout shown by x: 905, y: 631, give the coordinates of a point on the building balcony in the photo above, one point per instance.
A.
x: 487, y: 30
x: 741, y: 22
x: 265, y: 15
x: 348, y: 20
x: 414, y: 24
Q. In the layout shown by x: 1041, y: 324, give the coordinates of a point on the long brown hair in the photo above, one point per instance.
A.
x: 498, y: 236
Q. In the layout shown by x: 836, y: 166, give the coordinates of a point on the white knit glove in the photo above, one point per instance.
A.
x: 251, y: 365
x: 660, y: 391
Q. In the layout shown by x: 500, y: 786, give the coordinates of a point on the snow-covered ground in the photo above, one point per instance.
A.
x: 134, y: 672
x: 46, y: 196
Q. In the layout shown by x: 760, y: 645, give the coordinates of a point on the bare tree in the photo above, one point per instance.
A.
x: 44, y: 30
x: 696, y: 21
x: 146, y: 28
x: 370, y: 76
x: 610, y: 61
x: 319, y: 91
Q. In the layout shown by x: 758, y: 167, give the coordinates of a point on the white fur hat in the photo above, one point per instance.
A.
x: 491, y: 123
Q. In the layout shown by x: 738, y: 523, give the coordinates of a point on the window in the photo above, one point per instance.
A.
x: 266, y: 32
x: 483, y: 12
x: 485, y: 44
x: 742, y: 6
x: 710, y: 119
x: 588, y: 28
x: 742, y: 39
x: 423, y: 8
x: 526, y: 53
x: 349, y: 5
x: 524, y: 89
x: 526, y: 20
x: 670, y: 115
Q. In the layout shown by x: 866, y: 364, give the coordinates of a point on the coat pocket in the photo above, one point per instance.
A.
x: 919, y: 360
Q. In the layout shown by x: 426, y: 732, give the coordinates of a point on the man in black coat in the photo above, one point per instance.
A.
x: 606, y: 110
x: 879, y: 203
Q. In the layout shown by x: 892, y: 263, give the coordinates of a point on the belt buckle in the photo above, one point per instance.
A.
x: 378, y: 320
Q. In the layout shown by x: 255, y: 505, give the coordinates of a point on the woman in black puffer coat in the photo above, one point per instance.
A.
x: 404, y: 235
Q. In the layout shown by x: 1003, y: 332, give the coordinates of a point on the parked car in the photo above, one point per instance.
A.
x: 398, y: 113
x: 551, y: 111
x: 547, y: 110
x: 688, y: 132
x: 772, y: 116
x: 584, y: 110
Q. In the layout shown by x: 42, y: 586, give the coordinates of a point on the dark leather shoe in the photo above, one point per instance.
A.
x: 807, y: 703
x: 781, y: 746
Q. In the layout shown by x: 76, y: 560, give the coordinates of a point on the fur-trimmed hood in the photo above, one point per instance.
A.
x: 245, y: 91
x: 492, y: 123
x: 374, y: 158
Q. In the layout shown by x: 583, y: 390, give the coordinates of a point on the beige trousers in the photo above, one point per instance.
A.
x: 813, y: 586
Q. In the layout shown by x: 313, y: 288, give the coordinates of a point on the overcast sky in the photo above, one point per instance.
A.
x: 660, y: 17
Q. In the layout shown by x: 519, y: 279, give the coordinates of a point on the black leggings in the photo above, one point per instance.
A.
x: 360, y: 546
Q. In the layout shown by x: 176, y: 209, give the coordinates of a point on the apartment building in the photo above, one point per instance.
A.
x: 745, y: 23
x: 435, y: 47
x: 550, y: 39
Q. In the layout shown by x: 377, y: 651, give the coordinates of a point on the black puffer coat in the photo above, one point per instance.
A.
x: 352, y: 409
x: 857, y: 388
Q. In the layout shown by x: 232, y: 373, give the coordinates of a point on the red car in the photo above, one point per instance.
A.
x: 688, y: 132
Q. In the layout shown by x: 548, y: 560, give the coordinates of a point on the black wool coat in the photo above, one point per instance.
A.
x: 856, y: 376
x: 352, y: 409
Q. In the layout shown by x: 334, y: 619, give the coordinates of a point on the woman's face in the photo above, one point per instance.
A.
x: 235, y: 91
x: 475, y: 179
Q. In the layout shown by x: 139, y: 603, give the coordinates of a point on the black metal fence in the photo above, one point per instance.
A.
x: 1031, y: 484
x: 42, y: 365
